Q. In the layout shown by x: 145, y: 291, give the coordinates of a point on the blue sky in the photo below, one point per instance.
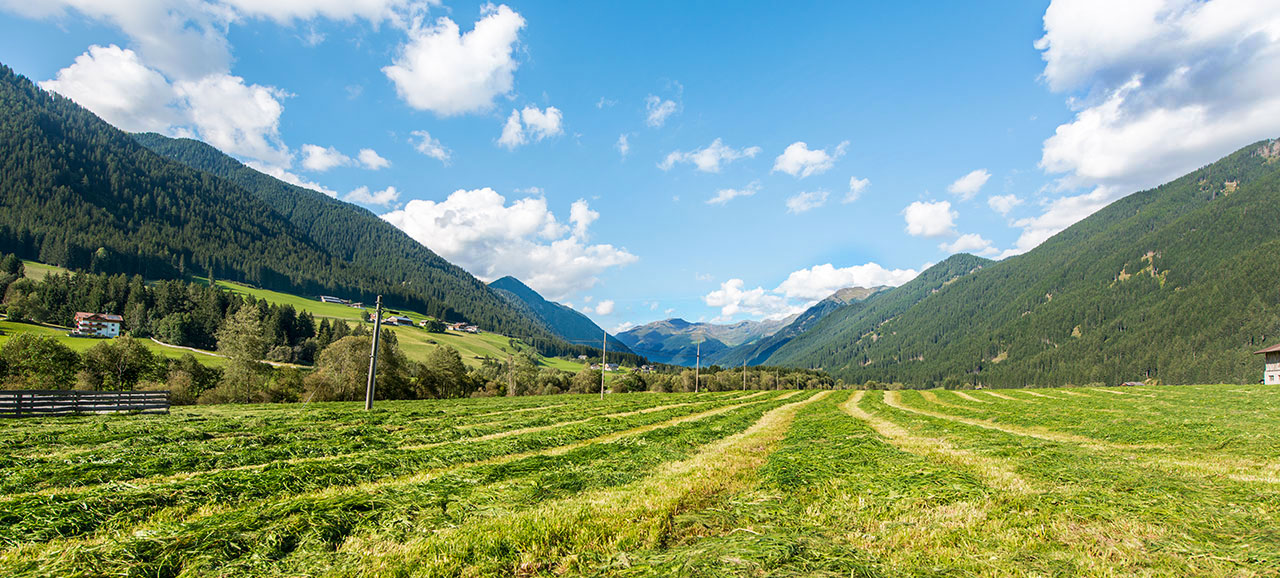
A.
x: 847, y: 144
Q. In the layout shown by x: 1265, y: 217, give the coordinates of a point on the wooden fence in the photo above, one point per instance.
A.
x: 31, y: 403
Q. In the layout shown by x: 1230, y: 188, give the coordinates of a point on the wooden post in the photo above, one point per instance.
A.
x: 511, y: 375
x: 373, y: 356
x: 697, y: 368
x: 604, y: 356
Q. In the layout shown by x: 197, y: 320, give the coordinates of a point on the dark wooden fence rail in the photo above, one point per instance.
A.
x: 31, y: 403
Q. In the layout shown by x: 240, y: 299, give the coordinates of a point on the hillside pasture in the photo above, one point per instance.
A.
x: 1151, y: 481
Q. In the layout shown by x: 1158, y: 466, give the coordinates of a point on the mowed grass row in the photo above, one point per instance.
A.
x: 278, y: 534
x: 113, y: 507
x: 193, y: 443
x: 1227, y: 423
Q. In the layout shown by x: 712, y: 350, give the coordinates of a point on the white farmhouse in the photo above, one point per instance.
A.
x: 98, y: 324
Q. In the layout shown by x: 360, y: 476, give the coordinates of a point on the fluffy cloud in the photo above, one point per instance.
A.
x: 967, y: 186
x: 820, y: 281
x: 362, y: 195
x: 930, y: 219
x: 238, y: 118
x: 480, y: 232
x: 289, y: 11
x: 709, y: 158
x: 430, y: 146
x: 657, y: 110
x: 622, y: 145
x: 801, y: 202
x: 1003, y: 203
x: 732, y: 300
x: 1167, y: 86
x: 530, y: 123
x: 318, y: 158
x: 798, y: 161
x: 604, y: 307
x: 856, y: 186
x: 450, y: 73
x: 970, y: 243
x: 114, y: 84
x: 800, y: 290
x: 372, y: 160
x: 725, y: 195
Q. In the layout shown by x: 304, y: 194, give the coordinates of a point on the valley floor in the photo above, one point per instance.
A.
x: 1169, y: 481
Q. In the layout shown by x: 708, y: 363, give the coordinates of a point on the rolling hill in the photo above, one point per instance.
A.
x: 1177, y: 283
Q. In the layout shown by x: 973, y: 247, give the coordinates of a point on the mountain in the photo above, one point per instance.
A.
x: 1176, y: 283
x: 563, y: 321
x: 675, y: 341
x: 79, y: 193
x: 755, y: 352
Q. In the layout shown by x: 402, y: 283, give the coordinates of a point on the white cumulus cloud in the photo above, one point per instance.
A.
x: 1003, y: 203
x: 371, y: 160
x: 801, y: 290
x: 970, y: 243
x: 709, y: 158
x: 967, y: 186
x: 449, y: 73
x: 386, y: 197
x: 481, y: 232
x: 115, y: 84
x: 622, y: 145
x: 604, y: 307
x: 318, y: 158
x: 930, y: 219
x: 799, y: 161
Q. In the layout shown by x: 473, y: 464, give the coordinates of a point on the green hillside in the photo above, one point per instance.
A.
x: 1176, y: 283
x: 415, y: 276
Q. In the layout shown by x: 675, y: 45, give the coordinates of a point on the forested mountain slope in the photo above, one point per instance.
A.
x: 79, y: 193
x: 359, y: 236
x: 565, y: 322
x: 1179, y: 283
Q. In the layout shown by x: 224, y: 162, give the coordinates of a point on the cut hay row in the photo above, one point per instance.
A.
x: 993, y: 471
x: 969, y: 397
x: 557, y: 535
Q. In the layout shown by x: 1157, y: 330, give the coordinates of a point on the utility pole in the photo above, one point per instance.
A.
x: 776, y: 384
x: 604, y: 357
x: 744, y: 375
x: 511, y: 376
x: 697, y: 368
x: 373, y: 355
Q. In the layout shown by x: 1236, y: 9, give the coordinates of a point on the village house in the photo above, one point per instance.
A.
x: 1271, y: 371
x: 397, y: 320
x: 98, y: 324
x: 330, y: 299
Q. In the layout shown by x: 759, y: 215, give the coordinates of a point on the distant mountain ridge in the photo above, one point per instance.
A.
x: 562, y: 320
x: 756, y: 352
x: 676, y: 341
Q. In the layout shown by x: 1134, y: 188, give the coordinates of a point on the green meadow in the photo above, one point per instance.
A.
x: 1140, y: 481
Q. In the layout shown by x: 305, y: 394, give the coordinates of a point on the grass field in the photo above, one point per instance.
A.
x: 80, y: 344
x: 1174, y: 481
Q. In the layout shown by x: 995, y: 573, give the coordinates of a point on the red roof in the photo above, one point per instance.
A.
x: 1272, y: 349
x: 81, y: 316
